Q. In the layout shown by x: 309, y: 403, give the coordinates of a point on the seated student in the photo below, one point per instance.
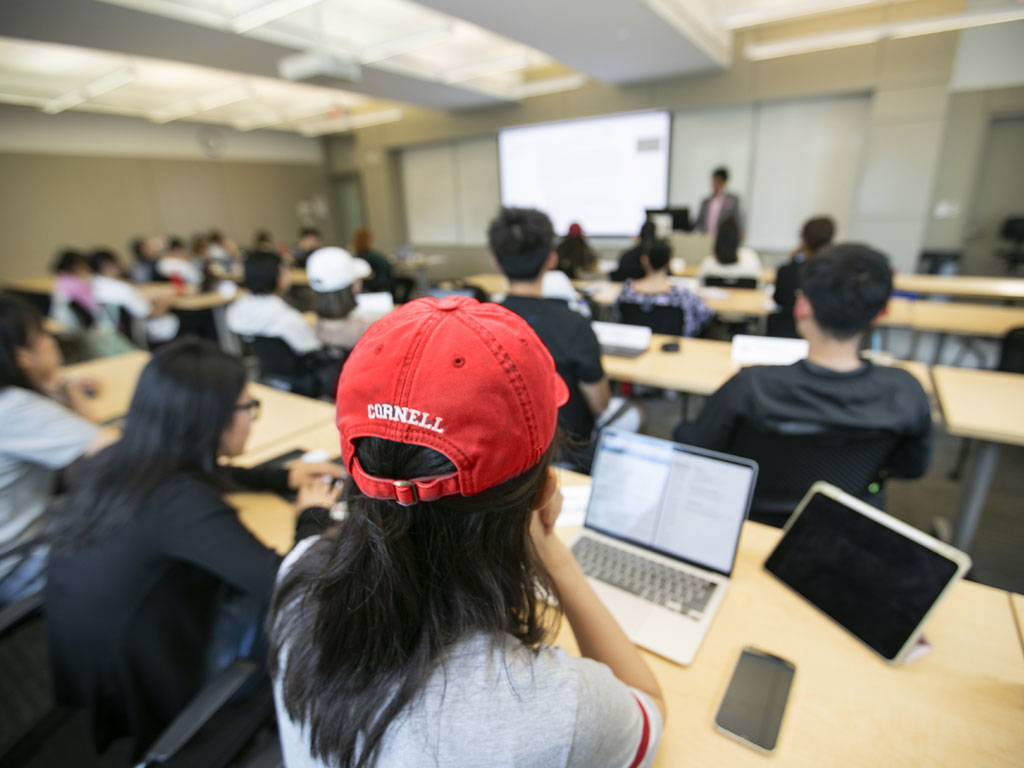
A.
x: 111, y: 290
x: 154, y: 584
x: 263, y: 312
x: 73, y: 304
x: 844, y: 290
x: 815, y: 237
x: 413, y: 633
x: 655, y: 290
x: 521, y: 240
x: 730, y: 259
x: 176, y: 263
x: 44, y: 427
x: 629, y: 261
x: 575, y: 256
x: 335, y: 278
x: 383, y: 278
x: 309, y: 241
x: 146, y: 251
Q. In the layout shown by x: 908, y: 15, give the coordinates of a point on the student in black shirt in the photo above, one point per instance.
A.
x: 815, y: 237
x: 146, y: 554
x: 844, y: 290
x: 521, y: 240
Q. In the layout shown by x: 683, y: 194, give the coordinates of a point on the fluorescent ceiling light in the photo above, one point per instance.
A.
x: 230, y: 95
x: 485, y: 68
x: 399, y: 46
x: 349, y: 122
x: 863, y: 35
x: 266, y: 13
x: 552, y: 85
x: 99, y: 86
x: 794, y: 45
x: 952, y: 23
x: 753, y: 17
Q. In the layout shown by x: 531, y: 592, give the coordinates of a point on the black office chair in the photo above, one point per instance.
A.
x: 1013, y: 230
x: 312, y: 375
x: 781, y: 325
x: 730, y: 282
x: 668, y: 320
x: 793, y: 455
x: 1011, y: 360
x: 35, y: 732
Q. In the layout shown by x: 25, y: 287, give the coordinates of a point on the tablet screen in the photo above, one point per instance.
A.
x: 871, y: 579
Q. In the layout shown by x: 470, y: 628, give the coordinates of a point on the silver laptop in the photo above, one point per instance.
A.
x: 660, y: 536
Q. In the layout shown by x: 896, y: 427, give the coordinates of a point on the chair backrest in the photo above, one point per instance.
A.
x: 730, y: 282
x: 1013, y: 229
x: 275, y: 356
x: 1011, y: 353
x: 793, y: 455
x: 668, y: 320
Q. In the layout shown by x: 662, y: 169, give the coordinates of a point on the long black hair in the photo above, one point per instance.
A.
x: 364, y: 616
x: 184, y: 401
x: 727, y: 241
x: 20, y: 322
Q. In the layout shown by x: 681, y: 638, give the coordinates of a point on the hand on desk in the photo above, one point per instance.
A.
x: 301, y: 472
x: 317, y: 492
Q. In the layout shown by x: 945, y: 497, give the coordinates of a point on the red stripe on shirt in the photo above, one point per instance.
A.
x: 645, y: 737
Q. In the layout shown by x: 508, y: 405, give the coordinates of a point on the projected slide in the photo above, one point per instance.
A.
x: 600, y: 172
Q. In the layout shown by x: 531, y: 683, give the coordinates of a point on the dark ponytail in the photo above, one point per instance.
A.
x: 359, y: 622
x: 727, y: 241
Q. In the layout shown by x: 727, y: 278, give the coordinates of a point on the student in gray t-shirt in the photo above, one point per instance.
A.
x: 413, y: 633
x: 39, y: 437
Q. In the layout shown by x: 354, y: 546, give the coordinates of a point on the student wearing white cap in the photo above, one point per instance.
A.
x: 336, y: 277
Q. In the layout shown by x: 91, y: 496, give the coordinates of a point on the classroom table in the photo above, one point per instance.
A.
x: 748, y: 302
x: 961, y: 286
x: 1017, y: 604
x: 282, y: 414
x: 960, y: 704
x: 190, y: 301
x: 701, y: 366
x: 984, y: 406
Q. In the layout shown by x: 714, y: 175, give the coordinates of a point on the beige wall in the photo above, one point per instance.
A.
x: 51, y: 201
x: 908, y: 78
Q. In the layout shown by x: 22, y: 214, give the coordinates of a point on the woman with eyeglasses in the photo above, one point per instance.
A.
x: 153, y: 582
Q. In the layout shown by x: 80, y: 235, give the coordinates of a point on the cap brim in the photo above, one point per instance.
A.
x: 561, y: 391
x: 360, y: 268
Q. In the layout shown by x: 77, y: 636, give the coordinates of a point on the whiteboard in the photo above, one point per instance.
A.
x: 704, y: 140
x: 807, y: 161
x: 476, y: 168
x: 451, y: 191
x: 601, y: 172
x: 428, y: 184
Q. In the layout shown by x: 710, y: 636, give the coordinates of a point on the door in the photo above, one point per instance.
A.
x: 999, y: 194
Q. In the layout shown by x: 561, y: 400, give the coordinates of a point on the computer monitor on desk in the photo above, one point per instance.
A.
x: 680, y: 217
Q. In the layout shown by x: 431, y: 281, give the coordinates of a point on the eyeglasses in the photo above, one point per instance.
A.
x: 253, y: 406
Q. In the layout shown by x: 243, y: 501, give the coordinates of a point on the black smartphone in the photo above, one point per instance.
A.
x: 755, y: 701
x: 670, y: 346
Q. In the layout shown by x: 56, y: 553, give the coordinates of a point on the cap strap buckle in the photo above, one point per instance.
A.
x: 406, y: 493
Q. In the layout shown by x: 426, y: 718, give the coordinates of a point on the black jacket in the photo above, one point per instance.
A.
x: 129, y: 618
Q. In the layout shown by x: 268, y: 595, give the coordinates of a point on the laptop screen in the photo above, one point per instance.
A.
x: 873, y: 580
x: 678, y: 500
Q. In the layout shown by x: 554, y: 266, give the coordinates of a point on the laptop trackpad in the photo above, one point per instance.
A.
x: 629, y: 611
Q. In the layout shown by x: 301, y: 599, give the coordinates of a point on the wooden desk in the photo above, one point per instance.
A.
x: 955, y: 318
x: 1017, y: 604
x: 959, y: 705
x: 701, y: 366
x: 986, y: 406
x: 282, y: 413
x: 961, y: 286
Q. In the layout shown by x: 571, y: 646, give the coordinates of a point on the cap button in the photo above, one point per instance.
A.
x: 449, y: 303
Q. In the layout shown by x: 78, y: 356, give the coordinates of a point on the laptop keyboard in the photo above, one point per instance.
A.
x: 652, y: 581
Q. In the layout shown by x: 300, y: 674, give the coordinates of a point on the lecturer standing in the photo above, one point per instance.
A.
x: 720, y: 206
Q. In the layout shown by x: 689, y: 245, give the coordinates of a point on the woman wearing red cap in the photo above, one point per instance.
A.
x: 412, y: 634
x: 575, y: 255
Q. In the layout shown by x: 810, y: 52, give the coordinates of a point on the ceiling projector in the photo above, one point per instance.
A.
x: 312, y: 66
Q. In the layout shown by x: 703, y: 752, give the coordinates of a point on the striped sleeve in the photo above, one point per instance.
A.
x: 616, y: 726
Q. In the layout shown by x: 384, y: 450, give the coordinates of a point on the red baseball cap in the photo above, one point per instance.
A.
x: 470, y: 380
